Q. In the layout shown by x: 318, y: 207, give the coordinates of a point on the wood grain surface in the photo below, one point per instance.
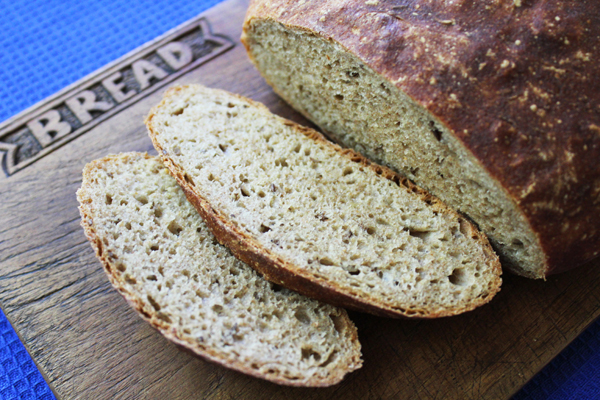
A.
x: 89, y: 344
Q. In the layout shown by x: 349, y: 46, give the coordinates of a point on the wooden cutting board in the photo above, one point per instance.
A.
x: 89, y: 344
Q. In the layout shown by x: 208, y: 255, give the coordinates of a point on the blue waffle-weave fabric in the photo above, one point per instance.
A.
x: 19, y: 377
x: 45, y: 45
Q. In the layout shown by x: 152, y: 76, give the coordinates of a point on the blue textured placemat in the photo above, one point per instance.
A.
x: 47, y: 45
x: 19, y: 377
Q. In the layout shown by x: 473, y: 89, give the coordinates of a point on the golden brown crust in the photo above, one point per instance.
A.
x: 515, y: 82
x: 149, y: 314
x: 281, y: 271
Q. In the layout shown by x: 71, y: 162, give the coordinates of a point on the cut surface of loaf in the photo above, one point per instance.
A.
x: 473, y: 109
x: 316, y: 218
x: 160, y: 255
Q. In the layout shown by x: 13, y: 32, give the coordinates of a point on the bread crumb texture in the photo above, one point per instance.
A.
x: 160, y: 255
x: 324, y: 211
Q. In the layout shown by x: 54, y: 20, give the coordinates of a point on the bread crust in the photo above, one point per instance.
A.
x: 285, y: 273
x: 149, y: 314
x: 515, y: 82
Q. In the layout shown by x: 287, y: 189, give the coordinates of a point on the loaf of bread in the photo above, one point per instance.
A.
x: 318, y: 219
x: 159, y: 254
x: 493, y: 106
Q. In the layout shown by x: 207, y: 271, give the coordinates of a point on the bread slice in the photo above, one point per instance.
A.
x: 318, y: 219
x: 468, y: 101
x: 161, y: 257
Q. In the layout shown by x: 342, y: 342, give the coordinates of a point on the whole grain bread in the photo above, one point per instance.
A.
x: 491, y: 106
x: 316, y: 218
x: 161, y: 257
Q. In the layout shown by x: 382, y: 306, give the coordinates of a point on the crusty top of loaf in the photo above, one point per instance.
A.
x: 515, y: 81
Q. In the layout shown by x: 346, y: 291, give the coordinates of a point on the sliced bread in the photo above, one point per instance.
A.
x: 159, y: 254
x: 316, y: 218
x: 480, y: 103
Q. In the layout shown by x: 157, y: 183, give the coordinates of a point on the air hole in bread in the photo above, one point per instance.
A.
x: 517, y: 242
x: 154, y: 247
x: 302, y: 316
x: 158, y: 211
x: 179, y: 111
x: 371, y: 230
x: 223, y: 147
x: 276, y: 288
x: 329, y: 359
x: 245, y: 191
x: 322, y: 217
x: 436, y: 132
x: 153, y: 303
x: 130, y: 279
x: 348, y: 171
x: 308, y: 352
x: 459, y: 277
x: 463, y: 226
x: 109, y: 199
x: 281, y: 162
x: 326, y: 261
x: 142, y: 199
x: 188, y: 179
x: 423, y: 235
x: 263, y: 228
x: 238, y: 337
x: 151, y: 278
x: 217, y: 308
x: 121, y: 267
x: 230, y: 105
x: 128, y: 226
x: 174, y: 228
x: 163, y: 317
